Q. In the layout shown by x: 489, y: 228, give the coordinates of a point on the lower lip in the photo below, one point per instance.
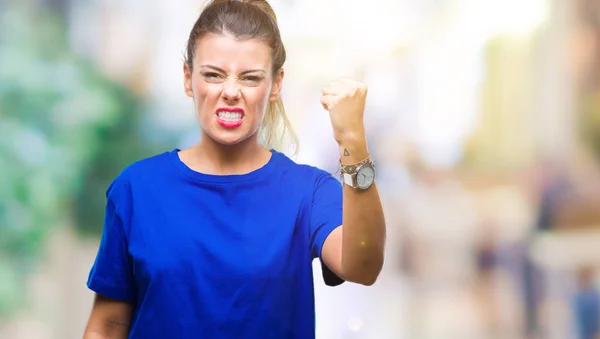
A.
x: 229, y: 124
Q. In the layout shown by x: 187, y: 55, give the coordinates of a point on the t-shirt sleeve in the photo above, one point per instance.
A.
x: 111, y: 275
x: 326, y: 215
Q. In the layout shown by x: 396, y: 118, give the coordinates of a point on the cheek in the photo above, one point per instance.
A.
x: 206, y: 94
x: 258, y: 98
x: 203, y: 89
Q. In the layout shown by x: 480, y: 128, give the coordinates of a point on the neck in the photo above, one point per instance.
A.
x: 210, y: 157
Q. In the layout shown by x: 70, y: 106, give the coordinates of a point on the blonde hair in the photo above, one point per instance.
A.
x: 250, y: 19
x: 276, y: 131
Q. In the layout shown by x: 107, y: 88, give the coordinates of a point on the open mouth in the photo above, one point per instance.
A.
x: 230, y: 117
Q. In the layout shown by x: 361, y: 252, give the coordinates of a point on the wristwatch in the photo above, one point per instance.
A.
x: 360, y: 175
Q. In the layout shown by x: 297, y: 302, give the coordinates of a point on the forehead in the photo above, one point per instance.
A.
x: 229, y: 53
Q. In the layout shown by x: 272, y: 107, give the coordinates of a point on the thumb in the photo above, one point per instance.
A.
x: 328, y: 101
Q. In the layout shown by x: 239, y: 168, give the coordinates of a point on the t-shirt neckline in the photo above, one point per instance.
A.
x: 228, y: 178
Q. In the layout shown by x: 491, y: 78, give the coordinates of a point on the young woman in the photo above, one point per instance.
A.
x: 217, y: 240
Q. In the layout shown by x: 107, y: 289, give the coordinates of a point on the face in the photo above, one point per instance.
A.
x: 231, y: 83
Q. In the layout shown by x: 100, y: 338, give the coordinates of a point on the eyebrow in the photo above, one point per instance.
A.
x: 223, y: 71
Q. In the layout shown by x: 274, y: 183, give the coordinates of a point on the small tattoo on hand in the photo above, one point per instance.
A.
x: 346, y: 153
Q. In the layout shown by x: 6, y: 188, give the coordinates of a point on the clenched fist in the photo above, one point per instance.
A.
x: 345, y: 100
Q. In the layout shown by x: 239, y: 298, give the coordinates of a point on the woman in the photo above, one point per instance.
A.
x: 217, y: 240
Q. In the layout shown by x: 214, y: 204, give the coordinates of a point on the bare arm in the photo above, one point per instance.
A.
x: 355, y: 251
x: 110, y: 319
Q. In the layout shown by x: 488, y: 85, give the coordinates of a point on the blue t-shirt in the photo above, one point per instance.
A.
x: 208, y: 256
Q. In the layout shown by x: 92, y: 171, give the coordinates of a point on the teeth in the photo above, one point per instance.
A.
x: 232, y: 116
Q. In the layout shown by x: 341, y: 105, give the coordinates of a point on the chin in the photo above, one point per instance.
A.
x: 228, y: 138
x: 229, y: 141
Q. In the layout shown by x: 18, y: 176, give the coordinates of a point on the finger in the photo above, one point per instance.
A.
x: 332, y: 89
x: 328, y: 101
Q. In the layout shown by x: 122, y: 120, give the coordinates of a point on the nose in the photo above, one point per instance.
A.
x: 231, y: 90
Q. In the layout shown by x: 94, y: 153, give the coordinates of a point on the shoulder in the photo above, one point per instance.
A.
x: 305, y: 173
x: 138, y: 173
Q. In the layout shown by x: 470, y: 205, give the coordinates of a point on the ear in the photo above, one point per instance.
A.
x: 276, y: 88
x: 187, y: 80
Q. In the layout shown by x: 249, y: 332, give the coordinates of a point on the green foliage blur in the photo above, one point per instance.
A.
x: 65, y: 132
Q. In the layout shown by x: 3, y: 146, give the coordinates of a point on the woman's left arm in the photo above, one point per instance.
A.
x: 354, y: 251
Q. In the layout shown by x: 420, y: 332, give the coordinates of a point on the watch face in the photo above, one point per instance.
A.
x: 365, y: 176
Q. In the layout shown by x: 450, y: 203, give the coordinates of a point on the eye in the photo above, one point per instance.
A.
x: 251, y: 80
x: 212, y: 77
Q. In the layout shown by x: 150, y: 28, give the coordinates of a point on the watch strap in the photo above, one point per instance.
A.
x: 349, y: 172
x: 353, y: 168
x: 348, y: 179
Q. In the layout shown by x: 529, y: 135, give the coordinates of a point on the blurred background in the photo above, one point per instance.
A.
x: 483, y: 117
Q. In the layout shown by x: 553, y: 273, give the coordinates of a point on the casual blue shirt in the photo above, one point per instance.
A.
x: 208, y: 256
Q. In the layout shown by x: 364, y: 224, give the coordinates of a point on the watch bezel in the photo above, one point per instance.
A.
x: 370, y: 165
x: 351, y: 179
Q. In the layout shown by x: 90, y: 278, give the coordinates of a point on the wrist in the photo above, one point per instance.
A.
x: 353, y: 150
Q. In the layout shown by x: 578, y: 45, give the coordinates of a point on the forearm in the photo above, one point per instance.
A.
x: 106, y: 329
x: 90, y: 334
x: 363, y: 222
x: 95, y: 335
